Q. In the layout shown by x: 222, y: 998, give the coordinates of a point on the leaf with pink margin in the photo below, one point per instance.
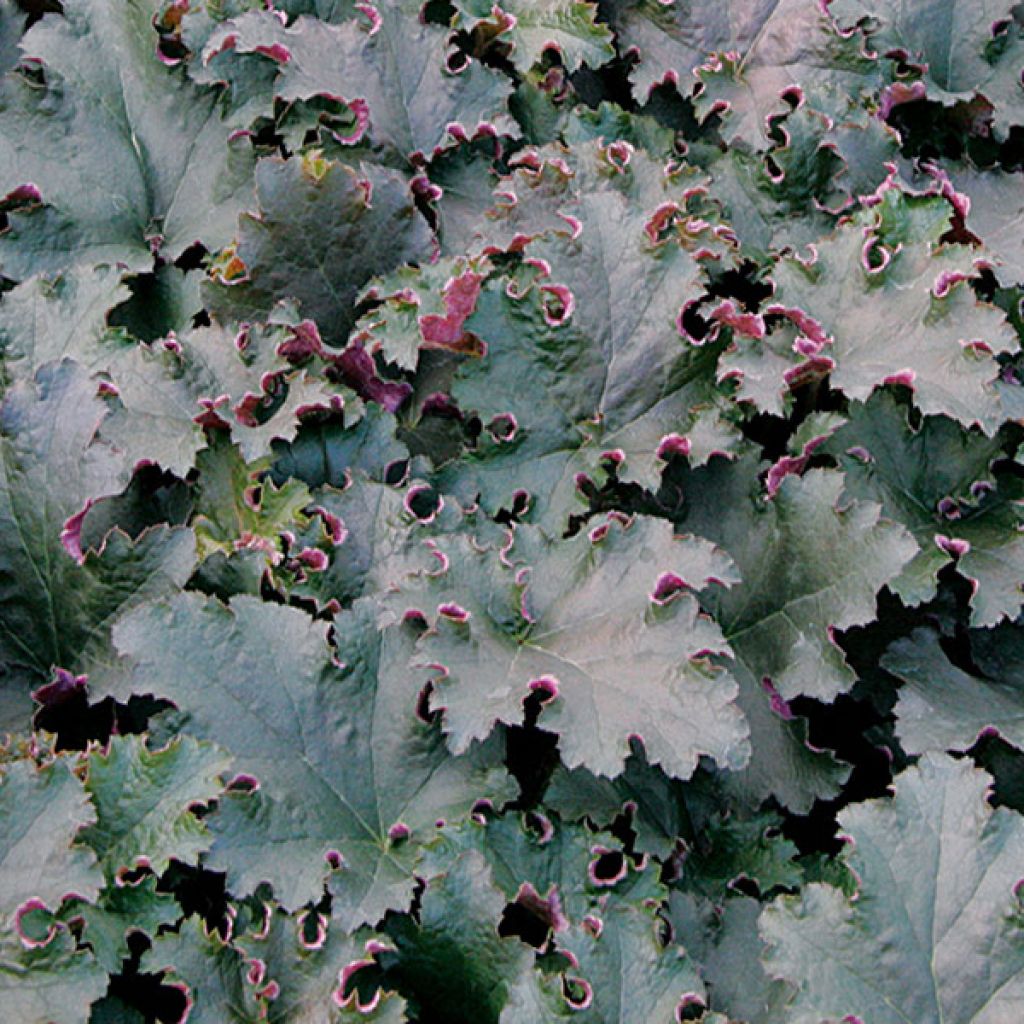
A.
x: 892, y: 305
x: 557, y: 872
x: 773, y: 35
x: 939, y: 481
x: 153, y: 416
x: 452, y: 955
x: 58, y: 601
x: 949, y: 43
x: 618, y: 248
x: 55, y: 984
x: 209, y: 972
x: 943, y: 707
x: 333, y: 782
x: 238, y: 510
x: 124, y: 909
x: 399, y: 68
x: 1004, y: 88
x: 617, y: 971
x: 996, y: 215
x: 423, y: 307
x: 323, y: 230
x: 111, y: 111
x: 809, y: 566
x: 144, y: 799
x: 938, y: 874
x: 603, y: 627
x: 43, y: 808
x: 529, y: 27
x: 316, y: 969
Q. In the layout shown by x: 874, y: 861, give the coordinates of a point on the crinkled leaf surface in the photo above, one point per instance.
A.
x: 533, y: 26
x: 51, y: 316
x: 808, y: 564
x: 57, y: 611
x: 52, y: 985
x: 111, y: 110
x: 121, y: 911
x: 587, y: 632
x: 144, y: 799
x: 340, y: 755
x: 948, y: 37
x: 886, y: 302
x: 938, y: 482
x: 942, y: 707
x: 522, y: 473
x: 395, y: 65
x: 454, y: 951
x: 603, y: 984
x: 42, y: 809
x: 320, y: 234
x: 308, y: 968
x: 598, y: 327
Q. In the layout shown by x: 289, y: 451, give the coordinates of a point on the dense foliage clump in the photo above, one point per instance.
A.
x: 511, y: 511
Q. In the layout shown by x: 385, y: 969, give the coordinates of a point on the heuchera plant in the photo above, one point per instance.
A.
x: 511, y: 511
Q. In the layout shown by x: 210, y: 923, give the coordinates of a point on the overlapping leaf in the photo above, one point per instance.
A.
x: 57, y: 609
x: 110, y: 111
x: 937, y: 874
x: 262, y: 682
x: 600, y: 626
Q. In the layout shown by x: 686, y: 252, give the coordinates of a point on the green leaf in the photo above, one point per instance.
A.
x: 547, y: 868
x: 674, y: 38
x: 621, y: 973
x: 996, y: 215
x: 333, y: 453
x: 43, y: 808
x: 154, y: 416
x: 809, y: 566
x: 311, y: 961
x: 942, y: 707
x: 322, y: 232
x: 51, y: 316
x: 529, y: 27
x: 584, y: 342
x: 121, y: 910
x: 882, y: 302
x: 111, y: 111
x: 51, y: 985
x: 209, y: 972
x: 730, y: 848
x: 56, y: 610
x: 350, y: 779
x: 724, y: 940
x: 144, y: 801
x: 937, y: 480
x: 12, y: 27
x: 949, y: 39
x: 397, y: 67
x: 599, y: 627
x: 452, y: 961
x: 655, y: 804
x: 236, y: 511
x: 938, y: 883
